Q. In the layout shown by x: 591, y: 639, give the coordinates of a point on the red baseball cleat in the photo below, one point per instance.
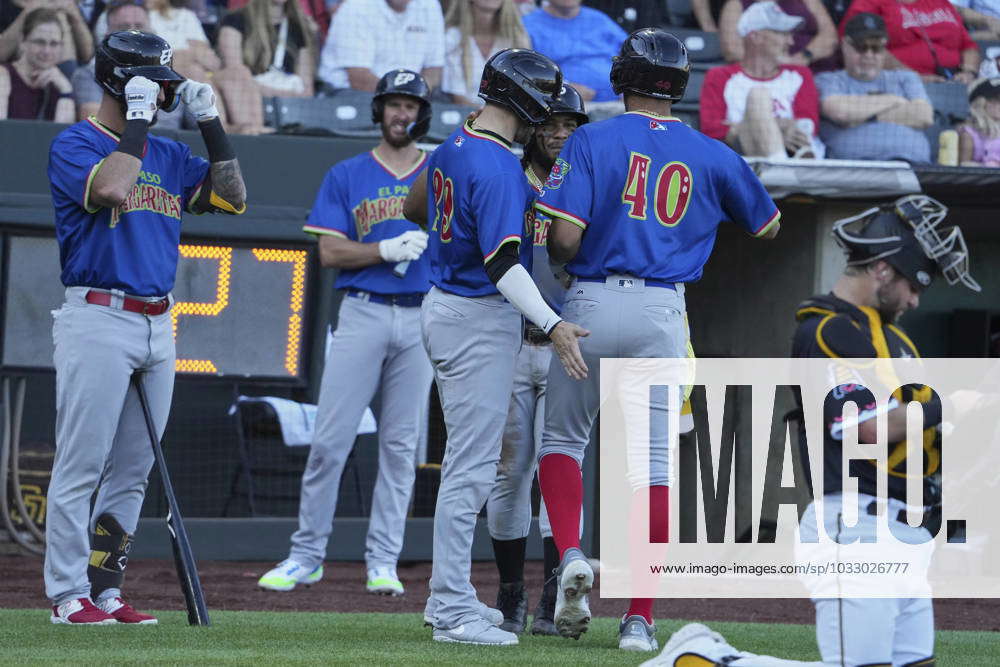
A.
x: 123, y: 612
x: 80, y: 611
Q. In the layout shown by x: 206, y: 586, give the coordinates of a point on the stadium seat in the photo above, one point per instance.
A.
x: 268, y: 477
x: 702, y: 46
x: 680, y: 14
x: 347, y: 114
x: 446, y: 118
x: 950, y: 102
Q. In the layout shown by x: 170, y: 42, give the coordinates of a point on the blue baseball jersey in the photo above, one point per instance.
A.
x: 551, y: 289
x: 477, y: 200
x: 132, y: 247
x: 361, y: 199
x: 649, y: 193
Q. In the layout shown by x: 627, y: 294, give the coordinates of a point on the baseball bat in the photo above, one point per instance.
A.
x: 399, y: 270
x: 187, y: 570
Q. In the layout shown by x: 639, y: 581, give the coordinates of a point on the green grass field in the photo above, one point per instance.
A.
x: 262, y: 638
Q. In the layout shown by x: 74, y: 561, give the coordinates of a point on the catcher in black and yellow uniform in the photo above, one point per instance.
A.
x: 893, y: 254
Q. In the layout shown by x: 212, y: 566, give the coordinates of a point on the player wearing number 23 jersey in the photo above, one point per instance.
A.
x: 635, y: 201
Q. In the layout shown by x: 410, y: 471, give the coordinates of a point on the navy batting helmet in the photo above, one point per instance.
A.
x: 128, y: 53
x: 907, y: 235
x: 524, y: 81
x: 570, y: 102
x: 653, y: 63
x: 411, y: 84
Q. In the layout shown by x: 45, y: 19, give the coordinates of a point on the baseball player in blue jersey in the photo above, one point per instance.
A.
x: 479, y: 208
x: 118, y: 195
x: 635, y: 202
x: 358, y: 219
x: 509, y: 506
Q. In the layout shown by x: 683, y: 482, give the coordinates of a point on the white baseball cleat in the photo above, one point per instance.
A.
x: 488, y: 614
x: 635, y: 634
x: 383, y: 581
x: 576, y: 578
x: 478, y: 631
x: 287, y: 574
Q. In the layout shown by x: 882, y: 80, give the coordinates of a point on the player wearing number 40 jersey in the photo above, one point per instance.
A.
x: 358, y: 219
x: 635, y: 202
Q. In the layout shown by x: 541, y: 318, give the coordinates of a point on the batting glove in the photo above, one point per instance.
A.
x: 200, y: 100
x: 141, y: 98
x: 407, y: 246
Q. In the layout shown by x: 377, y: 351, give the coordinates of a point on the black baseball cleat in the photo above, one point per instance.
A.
x: 543, y: 622
x: 512, y: 601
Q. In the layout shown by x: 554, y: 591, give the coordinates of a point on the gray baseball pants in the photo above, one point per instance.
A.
x: 472, y: 344
x: 101, y: 435
x: 374, y: 345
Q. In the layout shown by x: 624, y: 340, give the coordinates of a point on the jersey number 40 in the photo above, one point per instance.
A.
x: 444, y: 204
x: 671, y: 194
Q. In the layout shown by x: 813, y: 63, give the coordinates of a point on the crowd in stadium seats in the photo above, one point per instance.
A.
x: 849, y: 79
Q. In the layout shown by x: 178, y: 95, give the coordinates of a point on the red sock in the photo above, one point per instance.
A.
x: 561, y: 482
x: 659, y: 505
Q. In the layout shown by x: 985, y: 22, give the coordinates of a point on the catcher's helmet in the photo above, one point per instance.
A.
x: 128, y: 53
x: 411, y: 84
x: 905, y: 234
x: 524, y: 81
x: 570, y: 102
x: 653, y: 63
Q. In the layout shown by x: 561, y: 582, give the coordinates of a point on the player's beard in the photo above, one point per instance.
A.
x: 890, y: 306
x: 393, y: 140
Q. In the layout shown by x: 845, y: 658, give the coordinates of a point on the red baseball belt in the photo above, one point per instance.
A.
x: 130, y: 304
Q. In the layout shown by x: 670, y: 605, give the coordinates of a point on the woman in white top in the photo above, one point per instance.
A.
x: 475, y: 30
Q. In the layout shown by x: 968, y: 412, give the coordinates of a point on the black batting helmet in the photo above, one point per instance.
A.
x: 524, y: 81
x: 128, y: 53
x: 653, y: 63
x: 411, y: 84
x: 570, y: 102
x: 907, y: 235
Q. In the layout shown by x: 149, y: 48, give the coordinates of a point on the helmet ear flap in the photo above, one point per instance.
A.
x: 378, y: 109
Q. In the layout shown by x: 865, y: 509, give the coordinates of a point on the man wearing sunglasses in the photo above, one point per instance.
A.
x: 869, y: 112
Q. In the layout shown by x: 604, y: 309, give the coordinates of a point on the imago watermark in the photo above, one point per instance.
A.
x: 800, y: 477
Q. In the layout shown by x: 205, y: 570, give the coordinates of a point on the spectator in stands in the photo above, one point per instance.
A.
x: 316, y: 12
x: 814, y: 43
x: 763, y: 106
x: 194, y: 57
x: 979, y: 138
x: 77, y: 45
x: 926, y: 36
x: 981, y: 16
x: 632, y: 15
x: 32, y: 87
x: 370, y: 37
x: 581, y: 41
x: 707, y: 13
x: 266, y: 50
x: 870, y: 113
x: 476, y: 29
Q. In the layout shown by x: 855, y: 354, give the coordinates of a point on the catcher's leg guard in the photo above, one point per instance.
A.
x: 110, y: 546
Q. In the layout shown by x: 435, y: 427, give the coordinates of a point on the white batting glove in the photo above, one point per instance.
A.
x: 407, y: 246
x: 141, y: 98
x: 200, y: 99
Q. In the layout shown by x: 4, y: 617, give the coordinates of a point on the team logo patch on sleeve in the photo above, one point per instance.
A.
x: 558, y: 173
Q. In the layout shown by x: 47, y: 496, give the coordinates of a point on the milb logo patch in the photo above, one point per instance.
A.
x: 558, y: 173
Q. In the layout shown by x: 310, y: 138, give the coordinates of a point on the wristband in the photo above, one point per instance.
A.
x: 133, y: 141
x: 64, y: 96
x: 932, y: 411
x: 216, y: 141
